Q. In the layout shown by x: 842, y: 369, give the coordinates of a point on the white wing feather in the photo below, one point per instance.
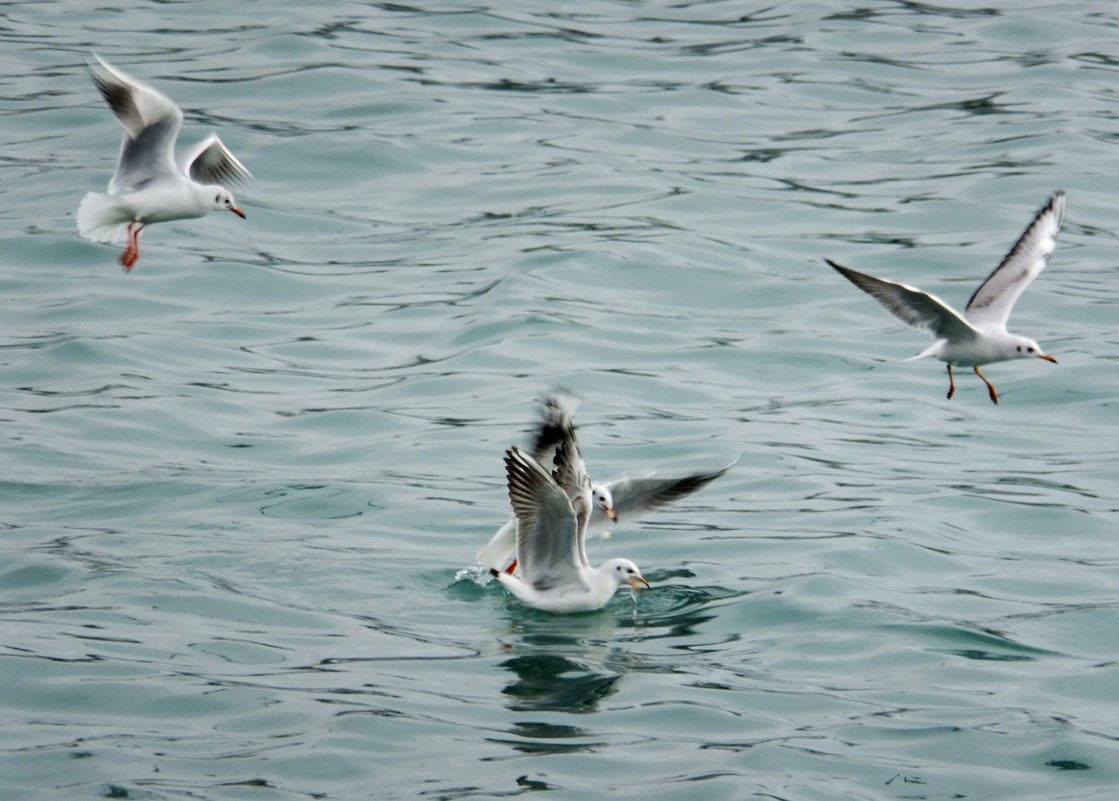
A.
x: 912, y: 306
x: 995, y: 298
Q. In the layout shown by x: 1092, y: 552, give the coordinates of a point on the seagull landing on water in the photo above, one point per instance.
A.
x: 979, y: 335
x: 611, y: 502
x: 149, y: 185
x: 552, y: 513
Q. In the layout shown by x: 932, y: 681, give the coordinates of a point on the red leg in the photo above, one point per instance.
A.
x: 511, y: 567
x: 990, y: 387
x: 132, y: 253
x: 951, y: 382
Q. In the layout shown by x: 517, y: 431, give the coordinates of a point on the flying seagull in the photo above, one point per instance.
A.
x: 150, y: 186
x: 979, y: 335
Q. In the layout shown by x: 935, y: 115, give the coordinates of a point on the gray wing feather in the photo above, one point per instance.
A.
x: 547, y: 530
x: 556, y: 425
x: 910, y: 305
x: 996, y: 296
x: 635, y: 496
x: 211, y: 162
x: 569, y: 470
x: 151, y: 125
x: 145, y: 158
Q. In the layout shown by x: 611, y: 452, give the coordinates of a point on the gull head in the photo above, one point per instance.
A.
x: 1026, y: 348
x: 602, y: 498
x: 625, y: 572
x: 223, y: 199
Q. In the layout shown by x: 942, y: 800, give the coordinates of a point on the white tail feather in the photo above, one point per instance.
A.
x: 497, y: 551
x: 104, y: 219
x: 931, y: 350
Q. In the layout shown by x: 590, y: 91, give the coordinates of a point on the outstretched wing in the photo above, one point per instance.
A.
x: 912, y: 306
x: 995, y: 298
x: 548, y: 546
x: 635, y: 496
x: 210, y: 162
x: 554, y: 428
x: 151, y: 125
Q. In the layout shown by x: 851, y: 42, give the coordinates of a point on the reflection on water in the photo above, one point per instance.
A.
x: 553, y: 682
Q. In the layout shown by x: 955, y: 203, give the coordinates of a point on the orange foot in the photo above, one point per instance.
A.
x: 132, y: 252
x: 990, y: 387
x: 129, y: 258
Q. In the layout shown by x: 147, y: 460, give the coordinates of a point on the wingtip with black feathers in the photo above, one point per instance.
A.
x: 556, y: 423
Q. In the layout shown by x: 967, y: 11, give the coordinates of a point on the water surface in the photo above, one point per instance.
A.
x: 241, y: 482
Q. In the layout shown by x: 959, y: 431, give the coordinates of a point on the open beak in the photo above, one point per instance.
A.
x: 637, y: 581
x: 1047, y: 357
x: 237, y: 211
x: 612, y: 513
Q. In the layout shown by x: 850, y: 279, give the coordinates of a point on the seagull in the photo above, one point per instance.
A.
x: 615, y: 500
x: 979, y: 335
x: 150, y: 186
x: 552, y: 512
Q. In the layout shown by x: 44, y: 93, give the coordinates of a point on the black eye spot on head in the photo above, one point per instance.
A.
x: 1019, y: 348
x: 217, y: 198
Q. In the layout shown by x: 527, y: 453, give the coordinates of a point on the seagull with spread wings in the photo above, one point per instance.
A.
x: 978, y: 336
x: 552, y: 512
x: 150, y: 185
x: 611, y: 502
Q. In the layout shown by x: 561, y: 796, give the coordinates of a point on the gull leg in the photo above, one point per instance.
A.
x: 132, y: 253
x: 990, y: 387
x: 511, y: 567
x: 951, y: 382
x: 126, y: 258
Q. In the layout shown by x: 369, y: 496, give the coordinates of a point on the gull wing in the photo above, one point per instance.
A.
x: 210, y: 162
x: 548, y: 534
x: 635, y: 496
x: 555, y: 427
x: 570, y: 473
x: 912, y: 306
x: 569, y: 470
x: 151, y: 125
x: 995, y: 298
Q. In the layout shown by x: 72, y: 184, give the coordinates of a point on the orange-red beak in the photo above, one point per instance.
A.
x: 611, y: 513
x: 237, y: 211
x: 1047, y: 357
x: 637, y: 581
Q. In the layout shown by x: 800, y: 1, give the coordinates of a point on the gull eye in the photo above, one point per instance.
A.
x: 1031, y: 350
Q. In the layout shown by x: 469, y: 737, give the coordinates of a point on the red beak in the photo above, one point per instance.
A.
x: 237, y: 211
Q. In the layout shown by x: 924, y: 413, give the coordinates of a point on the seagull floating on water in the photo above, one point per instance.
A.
x: 611, y: 502
x: 149, y: 185
x: 552, y: 512
x: 979, y: 335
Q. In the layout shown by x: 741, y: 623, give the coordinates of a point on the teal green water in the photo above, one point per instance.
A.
x: 240, y: 483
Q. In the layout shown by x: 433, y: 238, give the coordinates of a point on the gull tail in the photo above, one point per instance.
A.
x: 500, y: 548
x: 931, y: 350
x: 103, y: 219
